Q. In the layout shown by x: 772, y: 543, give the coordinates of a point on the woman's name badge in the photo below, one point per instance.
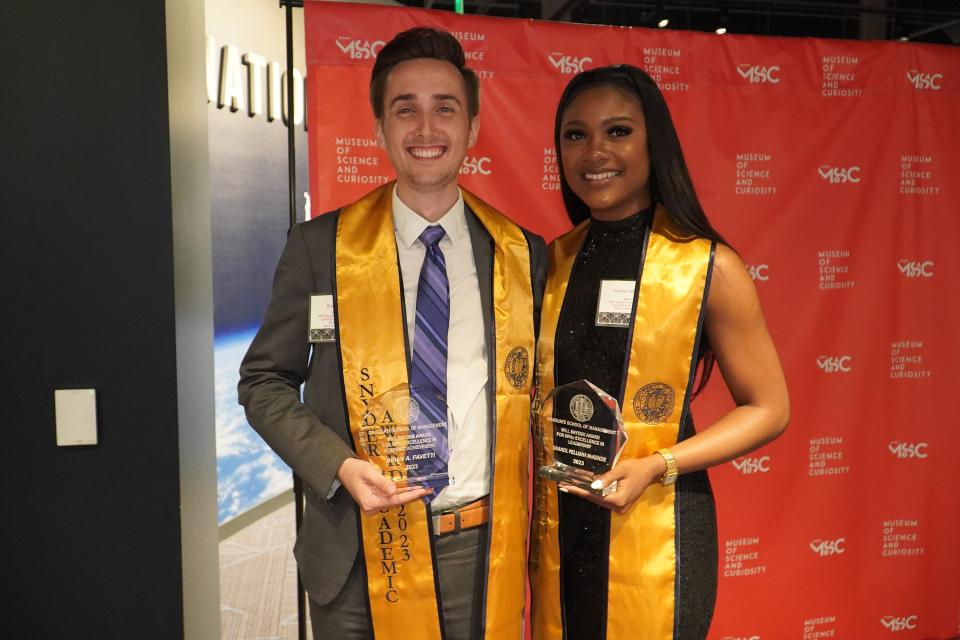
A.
x: 322, y: 328
x: 615, y: 306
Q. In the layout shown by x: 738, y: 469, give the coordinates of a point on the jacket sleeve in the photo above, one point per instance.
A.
x: 276, y: 365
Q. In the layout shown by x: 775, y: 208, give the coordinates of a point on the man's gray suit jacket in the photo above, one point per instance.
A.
x: 312, y: 436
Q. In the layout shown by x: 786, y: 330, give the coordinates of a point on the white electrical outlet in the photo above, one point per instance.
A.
x: 76, y: 416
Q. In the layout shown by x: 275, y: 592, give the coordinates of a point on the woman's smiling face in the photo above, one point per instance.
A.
x: 603, y: 146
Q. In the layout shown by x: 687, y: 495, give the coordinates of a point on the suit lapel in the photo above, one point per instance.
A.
x: 482, y: 245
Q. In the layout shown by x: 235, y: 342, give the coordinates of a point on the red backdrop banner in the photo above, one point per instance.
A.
x: 833, y: 168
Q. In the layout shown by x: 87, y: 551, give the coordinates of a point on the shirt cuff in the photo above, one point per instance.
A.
x: 333, y: 488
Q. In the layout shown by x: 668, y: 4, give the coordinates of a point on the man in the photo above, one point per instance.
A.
x: 421, y: 286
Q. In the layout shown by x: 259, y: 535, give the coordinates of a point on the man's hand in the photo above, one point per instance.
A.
x: 370, y: 490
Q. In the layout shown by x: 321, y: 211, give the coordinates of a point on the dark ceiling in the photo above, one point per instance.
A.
x: 935, y: 21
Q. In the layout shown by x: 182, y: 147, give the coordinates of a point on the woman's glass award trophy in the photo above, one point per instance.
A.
x: 581, y: 436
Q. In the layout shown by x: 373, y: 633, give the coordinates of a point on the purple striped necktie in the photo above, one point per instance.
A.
x: 428, y: 370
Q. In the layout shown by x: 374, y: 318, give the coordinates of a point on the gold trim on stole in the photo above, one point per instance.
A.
x: 642, y: 570
x: 513, y: 321
x: 396, y: 542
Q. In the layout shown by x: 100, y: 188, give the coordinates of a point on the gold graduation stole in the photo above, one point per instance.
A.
x: 664, y: 336
x: 397, y: 543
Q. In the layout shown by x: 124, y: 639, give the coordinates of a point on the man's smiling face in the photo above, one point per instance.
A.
x: 426, y: 128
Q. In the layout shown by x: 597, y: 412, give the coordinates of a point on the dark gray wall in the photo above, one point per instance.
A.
x: 91, y: 538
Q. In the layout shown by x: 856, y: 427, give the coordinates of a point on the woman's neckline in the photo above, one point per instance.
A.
x: 629, y: 222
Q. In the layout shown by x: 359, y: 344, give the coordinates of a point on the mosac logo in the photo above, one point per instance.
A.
x: 759, y: 272
x: 757, y: 73
x: 839, y: 175
x: 834, y: 364
x: 915, y: 268
x: 925, y: 81
x: 359, y: 49
x: 473, y: 165
x: 905, y: 450
x: 748, y: 465
x: 899, y: 623
x: 824, y: 548
x: 568, y: 64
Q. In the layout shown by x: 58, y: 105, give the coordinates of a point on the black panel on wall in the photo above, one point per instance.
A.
x: 91, y: 539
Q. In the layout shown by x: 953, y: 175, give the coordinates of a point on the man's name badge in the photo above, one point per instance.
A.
x: 615, y: 305
x: 322, y: 328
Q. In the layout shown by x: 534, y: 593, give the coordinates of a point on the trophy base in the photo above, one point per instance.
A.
x: 435, y: 481
x: 576, y: 478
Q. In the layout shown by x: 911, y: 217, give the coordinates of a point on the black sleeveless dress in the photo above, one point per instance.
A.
x: 612, y: 251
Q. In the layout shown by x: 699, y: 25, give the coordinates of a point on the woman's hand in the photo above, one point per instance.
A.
x: 632, y: 478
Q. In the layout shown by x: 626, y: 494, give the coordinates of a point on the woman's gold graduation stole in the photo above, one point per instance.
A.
x: 397, y: 543
x: 664, y: 336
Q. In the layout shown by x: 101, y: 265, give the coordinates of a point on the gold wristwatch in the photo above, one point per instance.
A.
x: 670, y: 475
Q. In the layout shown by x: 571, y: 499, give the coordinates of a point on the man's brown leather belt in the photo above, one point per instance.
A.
x: 457, y: 519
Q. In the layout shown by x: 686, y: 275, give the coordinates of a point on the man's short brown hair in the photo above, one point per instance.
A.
x: 422, y: 42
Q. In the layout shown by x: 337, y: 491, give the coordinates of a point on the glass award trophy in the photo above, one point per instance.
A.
x: 581, y: 436
x: 404, y: 432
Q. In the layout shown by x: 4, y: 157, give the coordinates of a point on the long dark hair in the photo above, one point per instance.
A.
x: 670, y: 182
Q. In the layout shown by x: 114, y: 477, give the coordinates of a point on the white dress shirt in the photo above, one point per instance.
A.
x: 467, y: 433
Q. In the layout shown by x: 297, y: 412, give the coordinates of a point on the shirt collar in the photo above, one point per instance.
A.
x: 409, y: 224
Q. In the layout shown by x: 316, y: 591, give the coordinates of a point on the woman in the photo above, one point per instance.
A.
x: 641, y: 561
